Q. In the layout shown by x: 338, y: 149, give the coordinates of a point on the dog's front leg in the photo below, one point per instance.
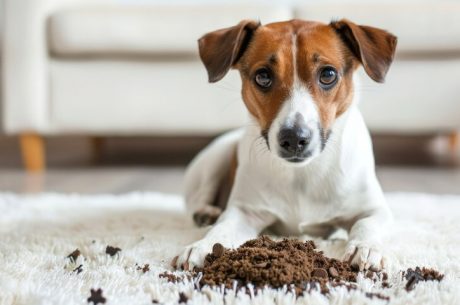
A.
x: 364, y: 244
x: 234, y: 227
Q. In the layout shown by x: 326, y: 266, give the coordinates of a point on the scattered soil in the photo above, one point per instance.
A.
x: 170, y: 277
x: 420, y: 274
x: 377, y: 295
x: 112, y: 250
x: 144, y: 269
x: 264, y: 262
x: 182, y: 297
x: 78, y: 269
x: 96, y: 297
x: 74, y: 255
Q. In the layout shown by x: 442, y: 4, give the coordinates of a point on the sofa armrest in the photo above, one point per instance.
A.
x: 26, y: 63
x: 25, y: 66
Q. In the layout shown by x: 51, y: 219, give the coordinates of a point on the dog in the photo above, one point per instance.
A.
x: 304, y: 164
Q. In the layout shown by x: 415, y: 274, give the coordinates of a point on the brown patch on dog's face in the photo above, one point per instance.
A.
x: 269, y: 50
x: 316, y: 46
x: 320, y: 48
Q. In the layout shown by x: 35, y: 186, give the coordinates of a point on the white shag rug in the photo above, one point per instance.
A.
x: 37, y: 232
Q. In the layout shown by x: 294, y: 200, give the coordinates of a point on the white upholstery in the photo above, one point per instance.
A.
x: 25, y: 60
x: 420, y: 26
x: 417, y: 97
x: 147, y: 29
x: 36, y: 97
x: 123, y: 97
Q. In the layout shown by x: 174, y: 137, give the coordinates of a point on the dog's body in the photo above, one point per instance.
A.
x: 305, y: 163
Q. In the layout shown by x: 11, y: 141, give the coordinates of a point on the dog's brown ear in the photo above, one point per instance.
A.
x: 374, y: 48
x: 221, y: 49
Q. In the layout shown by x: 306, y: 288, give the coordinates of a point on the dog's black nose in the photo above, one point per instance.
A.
x: 294, y: 140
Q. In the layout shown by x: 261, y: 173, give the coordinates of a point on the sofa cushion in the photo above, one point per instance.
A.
x: 128, y: 29
x: 119, y: 97
x: 420, y: 27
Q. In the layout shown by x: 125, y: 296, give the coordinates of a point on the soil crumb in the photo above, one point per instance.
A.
x: 264, y: 262
x: 377, y: 295
x: 420, y: 274
x: 96, y: 297
x: 144, y: 269
x: 172, y: 278
x: 112, y: 250
x: 74, y: 255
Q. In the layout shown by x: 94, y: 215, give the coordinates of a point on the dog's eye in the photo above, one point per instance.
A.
x: 328, y: 77
x: 263, y: 78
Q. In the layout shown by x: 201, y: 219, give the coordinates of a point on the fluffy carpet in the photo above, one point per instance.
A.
x: 37, y: 233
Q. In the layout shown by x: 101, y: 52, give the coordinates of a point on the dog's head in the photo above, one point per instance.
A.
x: 297, y: 75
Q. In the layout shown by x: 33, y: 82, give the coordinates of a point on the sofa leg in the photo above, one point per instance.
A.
x: 454, y: 141
x: 33, y: 152
x: 97, y: 148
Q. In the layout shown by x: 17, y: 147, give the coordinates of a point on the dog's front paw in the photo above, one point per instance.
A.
x: 364, y: 256
x: 192, y: 256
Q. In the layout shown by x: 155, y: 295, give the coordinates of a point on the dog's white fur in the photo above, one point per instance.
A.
x: 336, y: 189
x: 333, y: 188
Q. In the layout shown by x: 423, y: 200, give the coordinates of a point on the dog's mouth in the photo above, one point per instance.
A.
x: 298, y: 158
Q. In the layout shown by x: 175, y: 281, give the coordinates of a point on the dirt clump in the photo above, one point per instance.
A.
x: 96, y: 297
x: 170, y: 277
x: 74, y: 255
x: 112, y: 250
x: 420, y: 274
x: 264, y: 262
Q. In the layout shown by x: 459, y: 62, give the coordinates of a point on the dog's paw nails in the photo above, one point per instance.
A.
x: 174, y: 262
x: 193, y: 256
x: 364, y: 257
x: 349, y: 253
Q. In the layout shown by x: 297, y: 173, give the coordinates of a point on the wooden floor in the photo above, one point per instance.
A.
x: 409, y: 164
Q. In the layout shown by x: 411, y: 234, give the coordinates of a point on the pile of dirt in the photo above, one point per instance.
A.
x: 298, y: 265
x: 264, y: 262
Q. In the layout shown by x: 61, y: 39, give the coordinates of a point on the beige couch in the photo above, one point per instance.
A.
x: 111, y: 67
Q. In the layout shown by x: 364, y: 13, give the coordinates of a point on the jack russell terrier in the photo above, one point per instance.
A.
x: 305, y: 163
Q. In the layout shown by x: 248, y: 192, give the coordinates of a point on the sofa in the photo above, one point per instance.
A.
x: 124, y: 68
